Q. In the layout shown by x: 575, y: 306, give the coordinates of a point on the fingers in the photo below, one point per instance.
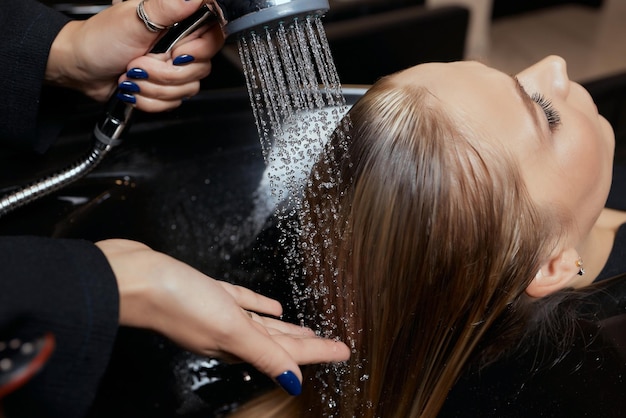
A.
x: 133, y: 33
x: 168, y: 12
x: 181, y: 70
x: 253, y: 301
x: 278, y: 355
x: 202, y: 44
x: 165, y: 80
x: 274, y: 347
x: 270, y: 358
x: 304, y: 346
x: 154, y: 86
x: 275, y: 326
x: 312, y: 350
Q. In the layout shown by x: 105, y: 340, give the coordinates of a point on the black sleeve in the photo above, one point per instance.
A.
x: 27, y: 29
x: 68, y: 288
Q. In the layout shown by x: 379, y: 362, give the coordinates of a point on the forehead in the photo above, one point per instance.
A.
x: 463, y: 85
x: 489, y: 111
x: 442, y: 76
x: 481, y: 100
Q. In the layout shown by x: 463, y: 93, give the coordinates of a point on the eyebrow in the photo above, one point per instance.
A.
x: 530, y: 103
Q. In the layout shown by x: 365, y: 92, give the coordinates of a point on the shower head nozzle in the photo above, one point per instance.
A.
x: 241, y: 16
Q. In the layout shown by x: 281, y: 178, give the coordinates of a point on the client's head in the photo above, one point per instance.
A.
x: 451, y: 198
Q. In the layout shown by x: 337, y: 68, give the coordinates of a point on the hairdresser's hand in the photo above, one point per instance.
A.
x: 94, y: 55
x: 211, y: 317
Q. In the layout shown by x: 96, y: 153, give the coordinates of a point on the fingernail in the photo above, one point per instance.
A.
x: 183, y: 59
x: 137, y: 73
x: 129, y: 86
x: 127, y: 98
x: 290, y: 383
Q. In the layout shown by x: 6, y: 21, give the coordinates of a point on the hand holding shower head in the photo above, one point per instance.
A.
x: 236, y: 17
x: 117, y: 113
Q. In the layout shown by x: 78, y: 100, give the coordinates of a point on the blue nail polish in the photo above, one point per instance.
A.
x: 129, y: 86
x: 183, y: 59
x: 137, y: 73
x: 127, y: 98
x: 290, y: 383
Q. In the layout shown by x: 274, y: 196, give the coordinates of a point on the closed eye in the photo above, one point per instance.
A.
x: 553, y: 117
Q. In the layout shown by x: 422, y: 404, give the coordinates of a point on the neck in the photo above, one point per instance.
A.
x: 596, y: 247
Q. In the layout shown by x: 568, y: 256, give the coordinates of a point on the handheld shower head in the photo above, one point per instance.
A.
x: 240, y: 16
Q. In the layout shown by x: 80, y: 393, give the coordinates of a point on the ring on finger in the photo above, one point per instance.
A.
x: 150, y: 25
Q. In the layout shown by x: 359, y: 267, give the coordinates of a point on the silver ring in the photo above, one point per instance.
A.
x: 150, y: 25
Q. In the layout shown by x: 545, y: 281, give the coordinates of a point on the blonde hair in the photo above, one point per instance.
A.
x: 417, y: 238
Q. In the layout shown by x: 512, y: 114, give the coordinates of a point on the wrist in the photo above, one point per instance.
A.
x: 62, y: 60
x: 138, y: 289
x: 136, y: 301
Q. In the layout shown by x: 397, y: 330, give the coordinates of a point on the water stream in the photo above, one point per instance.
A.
x: 297, y: 102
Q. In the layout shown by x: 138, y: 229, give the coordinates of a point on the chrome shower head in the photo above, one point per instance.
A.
x: 240, y: 16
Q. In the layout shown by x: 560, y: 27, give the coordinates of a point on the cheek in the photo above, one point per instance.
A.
x: 588, y: 140
x: 579, y: 155
x: 585, y: 160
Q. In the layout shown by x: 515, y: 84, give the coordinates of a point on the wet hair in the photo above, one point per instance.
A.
x: 418, y: 237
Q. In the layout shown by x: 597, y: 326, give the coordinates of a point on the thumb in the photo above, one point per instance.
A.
x: 168, y: 12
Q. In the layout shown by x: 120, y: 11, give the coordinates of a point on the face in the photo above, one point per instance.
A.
x: 545, y: 121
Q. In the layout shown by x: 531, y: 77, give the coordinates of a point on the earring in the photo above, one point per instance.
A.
x: 579, y: 264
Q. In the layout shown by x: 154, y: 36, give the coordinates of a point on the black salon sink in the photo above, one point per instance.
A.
x: 182, y: 182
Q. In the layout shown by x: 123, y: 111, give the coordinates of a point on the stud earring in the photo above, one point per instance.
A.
x: 579, y: 264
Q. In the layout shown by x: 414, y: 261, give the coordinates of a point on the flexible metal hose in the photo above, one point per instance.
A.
x: 55, y: 181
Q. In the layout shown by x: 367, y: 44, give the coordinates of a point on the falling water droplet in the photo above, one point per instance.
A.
x: 297, y: 103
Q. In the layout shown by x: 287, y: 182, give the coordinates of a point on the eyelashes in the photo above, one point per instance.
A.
x: 553, y: 117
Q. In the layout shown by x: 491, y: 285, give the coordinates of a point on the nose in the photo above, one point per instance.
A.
x: 548, y: 76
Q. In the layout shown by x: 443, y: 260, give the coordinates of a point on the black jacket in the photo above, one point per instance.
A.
x: 48, y: 285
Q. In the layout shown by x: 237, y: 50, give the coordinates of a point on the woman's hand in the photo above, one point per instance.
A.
x: 210, y: 317
x: 93, y: 56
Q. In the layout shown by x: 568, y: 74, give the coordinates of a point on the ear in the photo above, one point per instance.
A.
x: 559, y: 272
